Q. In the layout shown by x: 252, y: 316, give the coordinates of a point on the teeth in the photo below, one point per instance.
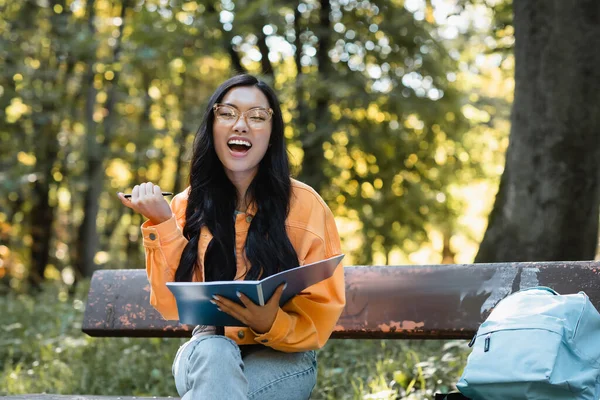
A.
x: 240, y: 142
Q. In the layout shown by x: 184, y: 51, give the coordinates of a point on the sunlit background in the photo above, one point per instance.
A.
x: 397, y: 112
x: 401, y: 122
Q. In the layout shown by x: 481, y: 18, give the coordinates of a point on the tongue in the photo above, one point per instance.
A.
x: 239, y: 148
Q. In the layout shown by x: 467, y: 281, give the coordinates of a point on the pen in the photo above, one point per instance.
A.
x: 163, y: 193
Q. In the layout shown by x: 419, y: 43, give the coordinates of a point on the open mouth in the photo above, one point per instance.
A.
x: 239, y: 146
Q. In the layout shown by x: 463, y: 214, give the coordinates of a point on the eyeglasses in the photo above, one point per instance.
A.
x: 228, y: 115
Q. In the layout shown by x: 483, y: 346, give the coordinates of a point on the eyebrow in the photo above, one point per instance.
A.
x: 252, y: 108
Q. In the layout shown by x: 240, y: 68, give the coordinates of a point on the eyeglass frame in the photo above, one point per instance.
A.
x: 241, y: 114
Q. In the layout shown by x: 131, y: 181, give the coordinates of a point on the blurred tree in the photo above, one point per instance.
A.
x: 42, y: 69
x: 97, y: 146
x: 547, y: 203
x: 312, y: 142
x: 98, y: 96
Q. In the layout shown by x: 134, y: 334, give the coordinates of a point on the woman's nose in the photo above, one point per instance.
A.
x: 240, y: 125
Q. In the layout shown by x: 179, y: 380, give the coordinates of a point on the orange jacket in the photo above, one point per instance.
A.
x: 307, y: 320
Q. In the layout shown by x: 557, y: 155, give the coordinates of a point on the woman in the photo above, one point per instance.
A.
x: 243, y: 217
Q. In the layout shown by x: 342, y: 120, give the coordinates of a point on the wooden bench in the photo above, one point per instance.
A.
x: 383, y: 302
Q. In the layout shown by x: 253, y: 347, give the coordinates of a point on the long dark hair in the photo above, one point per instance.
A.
x: 213, y: 199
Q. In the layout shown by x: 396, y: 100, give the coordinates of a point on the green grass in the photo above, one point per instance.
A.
x: 42, y: 349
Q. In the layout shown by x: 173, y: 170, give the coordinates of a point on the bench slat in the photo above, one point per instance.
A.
x: 393, y: 302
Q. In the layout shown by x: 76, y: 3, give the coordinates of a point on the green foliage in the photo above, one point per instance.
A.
x: 98, y: 96
x: 389, y: 369
x: 43, y: 349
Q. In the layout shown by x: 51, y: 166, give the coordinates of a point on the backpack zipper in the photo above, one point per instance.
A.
x: 472, y: 342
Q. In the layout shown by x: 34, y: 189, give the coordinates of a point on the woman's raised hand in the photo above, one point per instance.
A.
x: 147, y: 199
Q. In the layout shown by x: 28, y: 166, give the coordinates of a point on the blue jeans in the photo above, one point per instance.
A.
x: 214, y: 367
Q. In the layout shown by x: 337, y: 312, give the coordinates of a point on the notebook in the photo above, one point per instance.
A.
x: 193, y: 298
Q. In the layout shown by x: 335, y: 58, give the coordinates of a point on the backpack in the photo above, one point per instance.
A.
x: 536, y: 344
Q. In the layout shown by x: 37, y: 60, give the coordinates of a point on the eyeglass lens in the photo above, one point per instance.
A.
x: 230, y: 115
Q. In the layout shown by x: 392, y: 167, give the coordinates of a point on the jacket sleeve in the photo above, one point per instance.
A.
x: 163, y: 246
x: 308, y: 319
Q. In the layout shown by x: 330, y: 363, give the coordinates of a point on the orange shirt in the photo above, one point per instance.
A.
x: 303, y: 323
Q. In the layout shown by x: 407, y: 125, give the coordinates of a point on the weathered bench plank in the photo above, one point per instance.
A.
x: 395, y: 302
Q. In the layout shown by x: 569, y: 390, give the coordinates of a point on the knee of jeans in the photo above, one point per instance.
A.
x: 216, y: 350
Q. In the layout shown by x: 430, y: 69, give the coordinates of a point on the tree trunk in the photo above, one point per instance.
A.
x: 42, y: 214
x: 180, y: 140
x: 265, y: 63
x: 88, y: 232
x: 547, y: 204
x: 87, y: 239
x: 180, y: 180
x: 312, y: 142
x: 301, y: 110
x: 236, y: 61
x: 46, y: 126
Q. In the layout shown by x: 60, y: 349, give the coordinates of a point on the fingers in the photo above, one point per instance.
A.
x: 126, y: 202
x: 228, y: 303
x: 245, y: 300
x: 229, y: 307
x: 147, y: 199
x: 135, y: 193
x: 277, y: 295
x: 149, y: 188
x: 259, y: 318
x: 145, y: 190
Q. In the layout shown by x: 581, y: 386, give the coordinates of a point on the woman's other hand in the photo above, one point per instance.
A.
x: 259, y: 318
x: 147, y: 199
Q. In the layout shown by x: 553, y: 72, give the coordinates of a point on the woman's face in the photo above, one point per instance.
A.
x: 241, y: 131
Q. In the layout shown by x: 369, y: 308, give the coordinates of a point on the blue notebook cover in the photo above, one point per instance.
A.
x: 193, y: 298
